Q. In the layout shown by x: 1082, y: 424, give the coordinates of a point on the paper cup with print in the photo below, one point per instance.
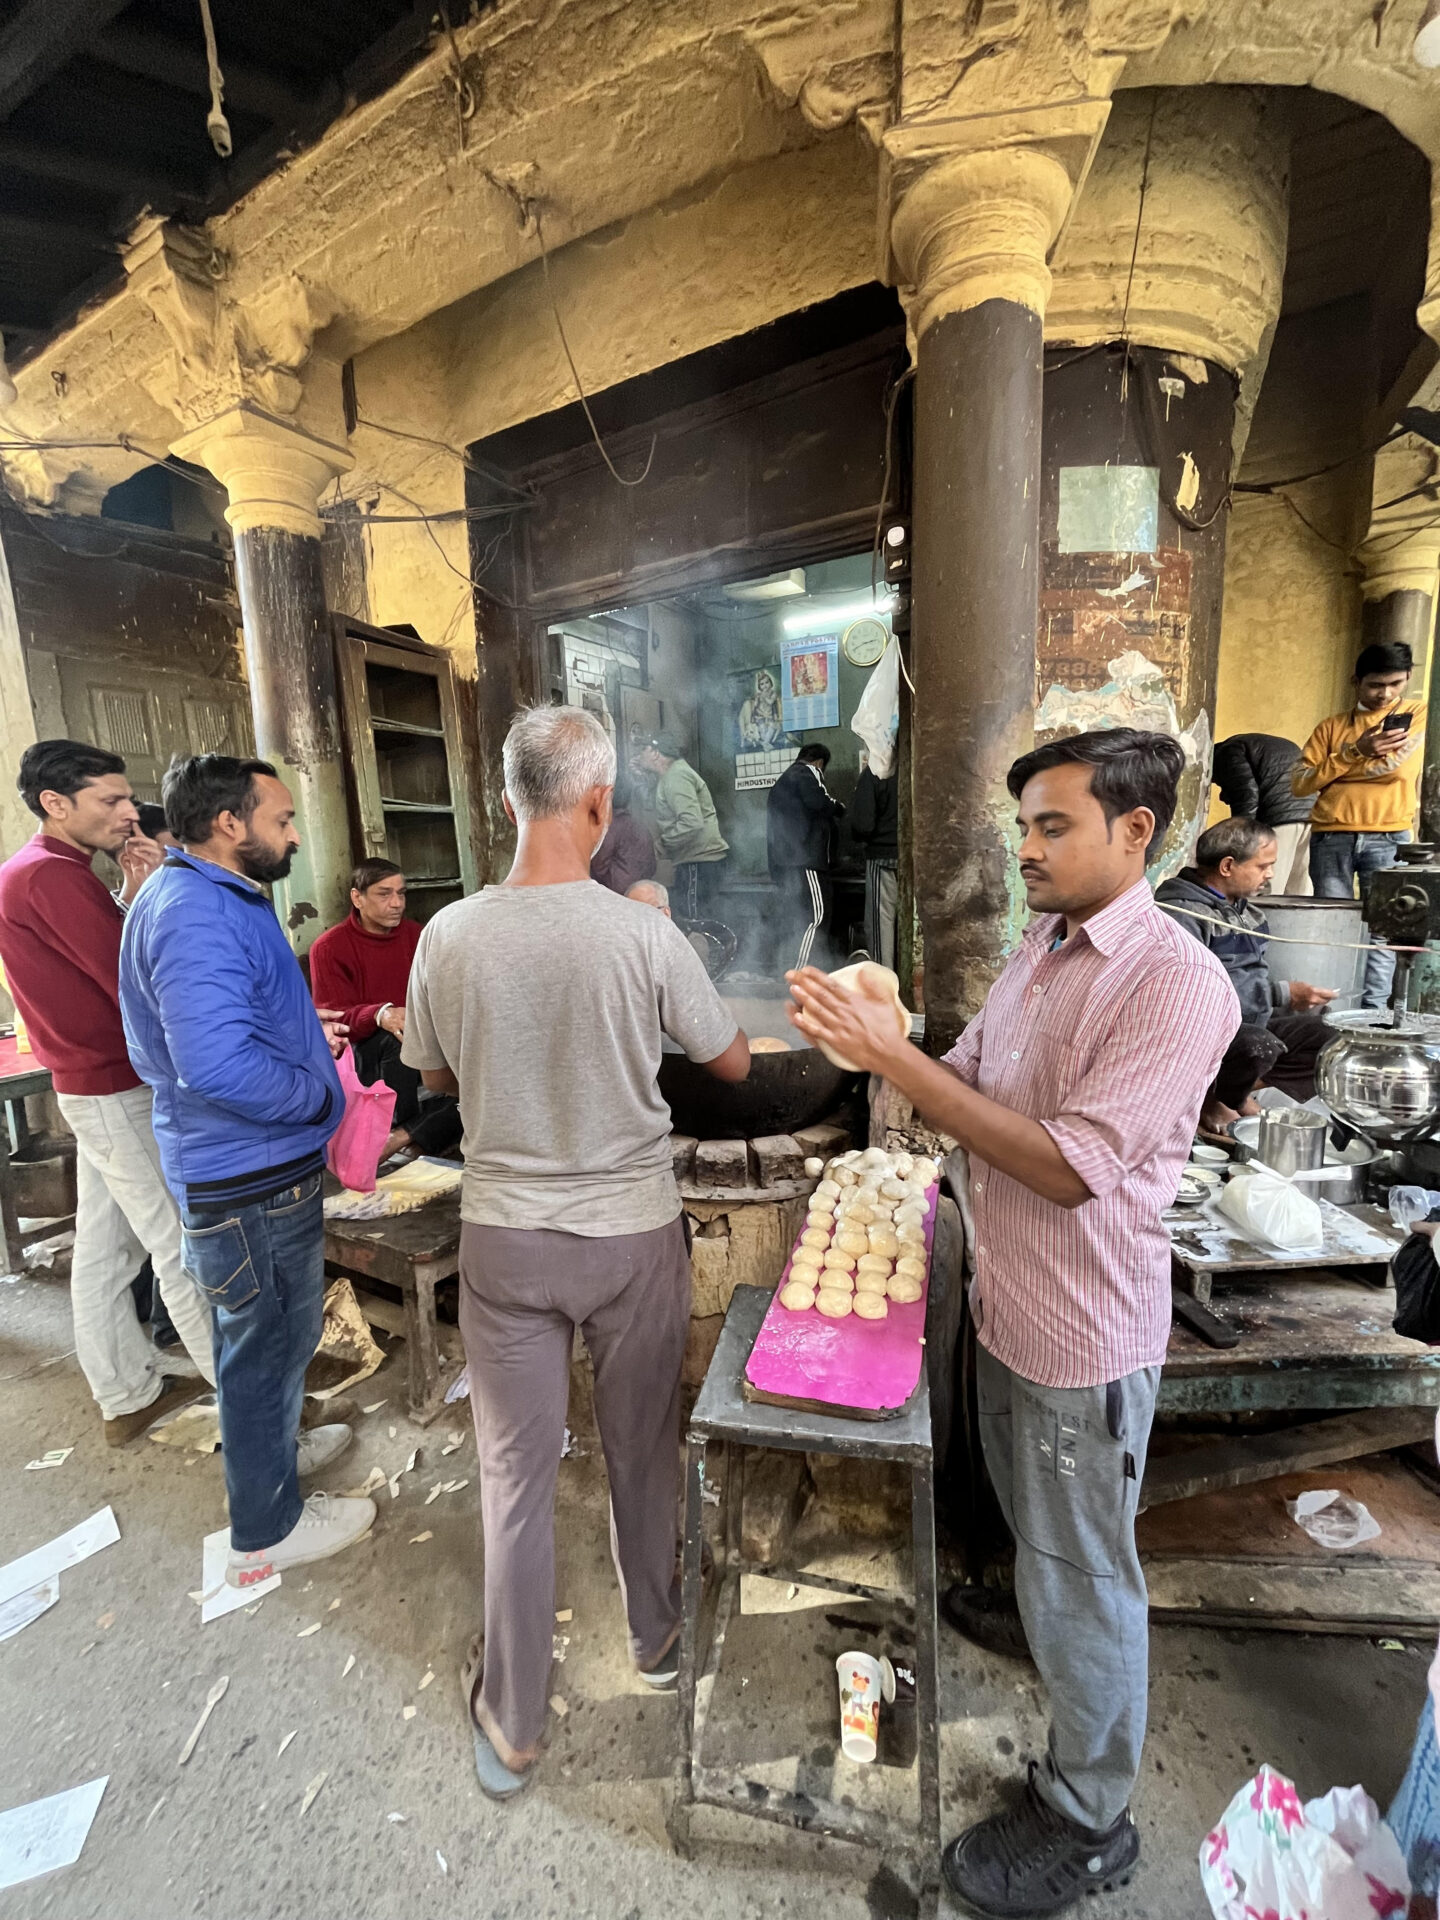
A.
x: 860, y: 1687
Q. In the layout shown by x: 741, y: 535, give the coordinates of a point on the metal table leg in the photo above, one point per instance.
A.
x: 927, y: 1680
x: 678, y: 1822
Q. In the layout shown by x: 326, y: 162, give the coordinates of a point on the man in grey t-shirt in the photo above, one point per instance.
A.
x: 542, y: 1003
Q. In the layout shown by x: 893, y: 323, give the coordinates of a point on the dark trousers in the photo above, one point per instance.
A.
x: 431, y: 1120
x: 262, y: 1268
x: 696, y: 892
x: 805, y: 898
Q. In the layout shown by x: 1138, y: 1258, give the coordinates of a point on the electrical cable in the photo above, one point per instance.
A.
x: 1130, y: 279
x: 615, y: 473
x: 216, y: 125
x: 1287, y: 939
x: 467, y: 460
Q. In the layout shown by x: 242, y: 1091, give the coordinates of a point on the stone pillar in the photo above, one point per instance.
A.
x: 1166, y: 295
x: 970, y: 237
x: 274, y: 473
x: 1401, y: 563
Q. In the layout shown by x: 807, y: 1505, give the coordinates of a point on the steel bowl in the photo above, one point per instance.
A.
x: 1383, y: 1081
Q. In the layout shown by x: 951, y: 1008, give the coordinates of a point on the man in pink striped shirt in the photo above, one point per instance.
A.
x: 1076, y: 1092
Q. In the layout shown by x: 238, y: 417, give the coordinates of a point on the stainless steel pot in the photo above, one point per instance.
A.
x: 1337, y: 1182
x: 1292, y: 1138
x: 1383, y: 1081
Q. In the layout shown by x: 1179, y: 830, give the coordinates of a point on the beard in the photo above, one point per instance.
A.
x: 262, y: 863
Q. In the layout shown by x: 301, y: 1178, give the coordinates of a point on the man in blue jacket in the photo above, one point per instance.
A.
x: 219, y: 1023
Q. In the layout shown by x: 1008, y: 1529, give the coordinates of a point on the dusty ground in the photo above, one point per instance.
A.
x: 113, y: 1678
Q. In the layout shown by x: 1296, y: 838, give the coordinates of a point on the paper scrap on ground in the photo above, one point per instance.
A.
x: 409, y: 1467
x: 416, y: 1538
x: 425, y: 1679
x: 305, y: 1632
x: 56, y: 1457
x: 46, y: 1834
x: 373, y: 1480
x: 195, y: 1428
x: 348, y: 1351
x: 22, y: 1608
x: 408, y: 1713
x: 565, y: 1615
x: 459, y: 1387
x: 41, y: 1253
x: 399, y: 1819
x: 348, y: 1665
x: 444, y: 1863
x: 558, y: 1706
x: 218, y: 1596
x: 374, y: 1406
x: 286, y: 1741
x: 310, y: 1792
x: 66, y: 1550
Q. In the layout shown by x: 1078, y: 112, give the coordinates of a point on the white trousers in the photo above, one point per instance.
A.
x: 125, y: 1211
x: 1292, y: 864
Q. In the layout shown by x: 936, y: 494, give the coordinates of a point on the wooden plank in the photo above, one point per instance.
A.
x: 39, y: 40
x: 1352, y: 1236
x: 1265, y: 1456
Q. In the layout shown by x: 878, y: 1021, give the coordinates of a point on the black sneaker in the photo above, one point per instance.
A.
x: 987, y: 1616
x: 1032, y: 1861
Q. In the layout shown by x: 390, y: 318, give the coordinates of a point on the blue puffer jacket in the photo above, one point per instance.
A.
x: 219, y: 1023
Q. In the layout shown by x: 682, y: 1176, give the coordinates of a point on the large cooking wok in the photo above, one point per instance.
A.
x: 784, y: 1090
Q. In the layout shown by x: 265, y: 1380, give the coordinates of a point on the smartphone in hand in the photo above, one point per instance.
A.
x: 1396, y: 723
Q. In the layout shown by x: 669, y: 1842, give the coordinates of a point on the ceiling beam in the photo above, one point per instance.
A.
x: 43, y: 35
x: 103, y: 173
x: 29, y: 230
x: 174, y: 63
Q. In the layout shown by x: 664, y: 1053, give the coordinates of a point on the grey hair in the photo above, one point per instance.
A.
x: 1237, y: 839
x: 553, y: 757
x: 650, y: 893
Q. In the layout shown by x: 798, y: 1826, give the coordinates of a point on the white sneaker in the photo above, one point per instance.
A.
x: 328, y: 1524
x: 318, y: 1446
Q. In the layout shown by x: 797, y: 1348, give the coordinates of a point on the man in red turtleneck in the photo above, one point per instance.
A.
x: 362, y: 967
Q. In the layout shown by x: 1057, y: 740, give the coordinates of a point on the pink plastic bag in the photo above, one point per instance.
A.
x: 354, y: 1150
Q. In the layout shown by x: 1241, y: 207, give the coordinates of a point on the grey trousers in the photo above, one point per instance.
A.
x: 1066, y: 1464
x: 522, y: 1294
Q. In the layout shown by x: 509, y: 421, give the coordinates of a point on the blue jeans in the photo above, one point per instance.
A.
x: 262, y: 1268
x: 1337, y: 860
x: 1415, y: 1815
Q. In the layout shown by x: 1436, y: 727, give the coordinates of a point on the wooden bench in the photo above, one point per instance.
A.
x: 412, y: 1252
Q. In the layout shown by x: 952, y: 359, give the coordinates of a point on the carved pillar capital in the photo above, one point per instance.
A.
x: 273, y: 470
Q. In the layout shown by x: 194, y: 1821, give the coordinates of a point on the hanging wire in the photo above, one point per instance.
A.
x: 1130, y: 280
x: 615, y: 473
x: 216, y: 125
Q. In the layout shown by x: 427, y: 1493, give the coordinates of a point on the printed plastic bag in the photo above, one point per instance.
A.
x: 1332, y: 1519
x: 1332, y: 1859
x: 1269, y: 1209
x: 354, y: 1151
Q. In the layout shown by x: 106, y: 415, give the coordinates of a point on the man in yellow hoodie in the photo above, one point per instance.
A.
x: 1363, y: 766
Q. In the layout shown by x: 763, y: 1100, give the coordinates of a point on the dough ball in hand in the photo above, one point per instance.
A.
x: 797, y: 1296
x: 871, y: 1306
x: 833, y: 1302
x: 904, y: 1291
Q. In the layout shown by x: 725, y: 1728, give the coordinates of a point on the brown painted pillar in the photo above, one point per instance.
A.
x: 274, y: 475
x: 972, y: 235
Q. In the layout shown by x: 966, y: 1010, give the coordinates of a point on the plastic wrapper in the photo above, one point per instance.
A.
x: 1332, y: 1519
x: 1269, y: 1209
x: 1271, y: 1858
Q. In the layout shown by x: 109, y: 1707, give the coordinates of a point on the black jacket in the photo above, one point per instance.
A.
x: 1235, y: 945
x: 1252, y: 771
x: 799, y: 814
x: 875, y: 816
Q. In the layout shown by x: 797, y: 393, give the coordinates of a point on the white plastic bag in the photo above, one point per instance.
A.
x: 1268, y: 1208
x: 1332, y: 1859
x: 1332, y: 1519
x: 877, y: 712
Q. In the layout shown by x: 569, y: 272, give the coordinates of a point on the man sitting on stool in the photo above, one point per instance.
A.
x: 362, y: 968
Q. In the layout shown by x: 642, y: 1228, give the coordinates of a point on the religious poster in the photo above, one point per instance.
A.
x: 810, y: 682
x: 762, y: 747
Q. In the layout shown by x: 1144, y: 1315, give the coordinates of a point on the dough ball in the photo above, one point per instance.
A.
x: 868, y: 1192
x: 910, y: 1267
x: 883, y: 1240
x: 838, y: 1279
x: 797, y: 1296
x: 926, y: 1171
x: 871, y: 1306
x: 910, y: 1236
x: 843, y: 1176
x: 860, y: 1216
x: 911, y: 1209
x: 852, y: 1158
x: 769, y: 1043
x: 892, y: 1189
x: 852, y: 1240
x: 874, y: 1263
x: 904, y: 1162
x: 836, y: 1260
x: 821, y: 1214
x: 868, y: 1282
x: 806, y: 1260
x: 818, y: 1237
x: 875, y: 1157
x: 903, y: 1291
x: 814, y: 1168
x: 833, y: 1302
x: 827, y: 1189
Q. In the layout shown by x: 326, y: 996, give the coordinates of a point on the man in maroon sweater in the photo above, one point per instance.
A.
x: 362, y: 968
x: 60, y: 943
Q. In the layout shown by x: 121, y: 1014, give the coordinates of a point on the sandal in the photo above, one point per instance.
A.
x: 497, y: 1781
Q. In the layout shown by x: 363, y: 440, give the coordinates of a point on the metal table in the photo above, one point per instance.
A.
x: 20, y: 1076
x: 722, y: 1414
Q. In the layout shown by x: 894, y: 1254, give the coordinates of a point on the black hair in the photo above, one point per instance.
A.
x: 1384, y: 656
x: 62, y: 766
x: 817, y: 753
x: 1128, y: 769
x: 152, y: 817
x: 1237, y: 839
x: 370, y: 873
x: 198, y: 789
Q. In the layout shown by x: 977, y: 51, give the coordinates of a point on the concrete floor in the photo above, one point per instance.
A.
x: 113, y: 1678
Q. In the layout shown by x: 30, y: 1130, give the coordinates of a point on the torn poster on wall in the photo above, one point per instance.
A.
x: 1094, y: 606
x: 1109, y: 509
